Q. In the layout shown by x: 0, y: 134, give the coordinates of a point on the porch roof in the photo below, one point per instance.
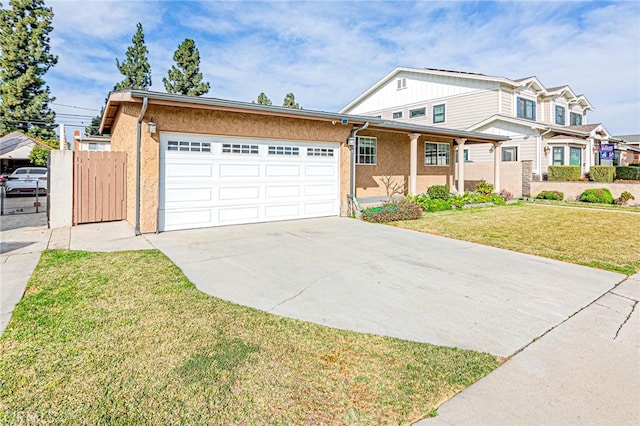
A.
x: 116, y: 99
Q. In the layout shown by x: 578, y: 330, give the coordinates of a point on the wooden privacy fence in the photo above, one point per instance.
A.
x: 99, y: 186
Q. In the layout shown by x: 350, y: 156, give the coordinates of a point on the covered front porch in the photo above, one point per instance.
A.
x: 389, y: 163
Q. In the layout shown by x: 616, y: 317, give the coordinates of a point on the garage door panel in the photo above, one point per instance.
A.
x: 239, y: 170
x: 282, y: 191
x: 250, y: 193
x: 283, y: 211
x: 281, y: 170
x: 270, y: 181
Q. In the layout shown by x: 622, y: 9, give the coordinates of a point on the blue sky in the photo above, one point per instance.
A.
x: 329, y: 52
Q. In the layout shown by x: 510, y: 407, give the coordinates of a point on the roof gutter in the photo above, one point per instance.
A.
x: 145, y: 104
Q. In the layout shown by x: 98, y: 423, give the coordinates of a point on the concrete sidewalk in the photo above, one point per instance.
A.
x: 584, y: 371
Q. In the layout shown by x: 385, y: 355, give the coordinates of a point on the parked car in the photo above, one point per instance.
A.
x: 26, y: 180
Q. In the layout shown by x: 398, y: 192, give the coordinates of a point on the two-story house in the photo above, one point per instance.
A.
x: 547, y: 126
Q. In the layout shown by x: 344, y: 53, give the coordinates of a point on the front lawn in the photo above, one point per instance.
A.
x: 597, y: 238
x: 125, y: 338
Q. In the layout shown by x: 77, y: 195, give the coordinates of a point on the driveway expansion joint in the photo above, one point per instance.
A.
x: 633, y: 307
x: 288, y: 299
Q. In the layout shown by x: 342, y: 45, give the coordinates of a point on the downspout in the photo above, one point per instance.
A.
x: 145, y: 103
x: 539, y: 152
x: 352, y: 174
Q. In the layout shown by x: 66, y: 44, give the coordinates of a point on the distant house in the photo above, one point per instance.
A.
x: 546, y: 125
x: 91, y: 143
x: 631, y: 152
x: 15, y: 148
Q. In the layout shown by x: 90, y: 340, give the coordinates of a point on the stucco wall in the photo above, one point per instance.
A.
x: 393, y: 157
x: 510, y: 176
x: 196, y: 121
x: 572, y: 190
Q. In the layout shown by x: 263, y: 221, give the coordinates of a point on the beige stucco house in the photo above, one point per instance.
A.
x: 545, y: 125
x: 200, y: 162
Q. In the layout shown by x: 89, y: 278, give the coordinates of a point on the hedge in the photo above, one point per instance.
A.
x: 628, y: 173
x: 597, y: 195
x: 564, y: 173
x: 602, y: 173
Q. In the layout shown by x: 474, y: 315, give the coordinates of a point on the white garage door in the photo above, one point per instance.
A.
x: 217, y: 180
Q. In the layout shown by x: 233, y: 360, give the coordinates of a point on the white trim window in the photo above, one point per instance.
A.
x: 575, y: 156
x: 397, y: 114
x: 575, y: 119
x: 561, y: 115
x: 526, y: 108
x: 466, y: 155
x: 439, y: 113
x: 509, y: 153
x: 401, y: 83
x: 437, y: 154
x: 557, y: 158
x: 418, y: 112
x: 367, y: 149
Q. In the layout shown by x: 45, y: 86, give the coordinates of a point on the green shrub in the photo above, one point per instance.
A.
x: 438, y: 191
x: 597, y: 195
x: 436, y: 205
x: 634, y: 164
x: 564, y: 173
x: 483, y: 187
x: 624, y: 197
x: 628, y: 173
x: 550, y: 195
x: 602, y: 173
x: 404, y: 209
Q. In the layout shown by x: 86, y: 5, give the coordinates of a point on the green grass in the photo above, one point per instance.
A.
x: 582, y: 204
x: 125, y: 338
x: 597, y: 238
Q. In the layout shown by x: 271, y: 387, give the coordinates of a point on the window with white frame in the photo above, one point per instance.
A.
x: 526, y: 108
x: 558, y: 156
x: 575, y: 156
x: 418, y: 112
x: 466, y: 155
x: 437, y: 154
x: 189, y: 146
x: 401, y: 83
x: 397, y: 114
x: 239, y: 148
x: 509, y: 153
x: 367, y: 149
x: 560, y: 115
x: 284, y: 150
x: 319, y: 152
x: 438, y: 113
x: 575, y: 119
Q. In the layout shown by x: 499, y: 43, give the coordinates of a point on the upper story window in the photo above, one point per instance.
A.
x: 437, y: 154
x: 367, y: 149
x: 575, y: 119
x: 397, y: 114
x: 526, y: 109
x: 560, y: 115
x: 438, y: 113
x: 419, y: 112
x: 402, y: 83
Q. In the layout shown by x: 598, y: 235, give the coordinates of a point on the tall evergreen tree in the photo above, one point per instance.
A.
x: 94, y: 126
x: 290, y: 102
x: 263, y: 99
x: 135, y: 67
x: 24, y: 59
x: 186, y: 78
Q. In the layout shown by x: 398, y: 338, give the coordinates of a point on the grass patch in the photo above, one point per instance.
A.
x: 125, y: 338
x: 596, y: 238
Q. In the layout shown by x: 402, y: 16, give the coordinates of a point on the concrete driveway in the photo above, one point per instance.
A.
x: 384, y: 280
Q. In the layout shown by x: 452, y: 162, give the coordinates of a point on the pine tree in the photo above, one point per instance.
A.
x: 263, y: 99
x: 94, y: 126
x: 186, y: 78
x: 290, y: 102
x: 24, y: 59
x: 135, y: 67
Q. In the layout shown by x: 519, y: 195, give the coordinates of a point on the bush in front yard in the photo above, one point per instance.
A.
x: 624, y: 197
x: 564, y: 173
x: 550, y: 195
x: 483, y: 187
x: 438, y: 191
x: 597, y: 195
x: 506, y: 195
x: 602, y: 173
x: 404, y: 209
x: 628, y: 173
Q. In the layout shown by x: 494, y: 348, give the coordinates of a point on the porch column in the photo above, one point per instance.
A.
x: 413, y: 164
x: 496, y: 165
x: 460, y: 143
